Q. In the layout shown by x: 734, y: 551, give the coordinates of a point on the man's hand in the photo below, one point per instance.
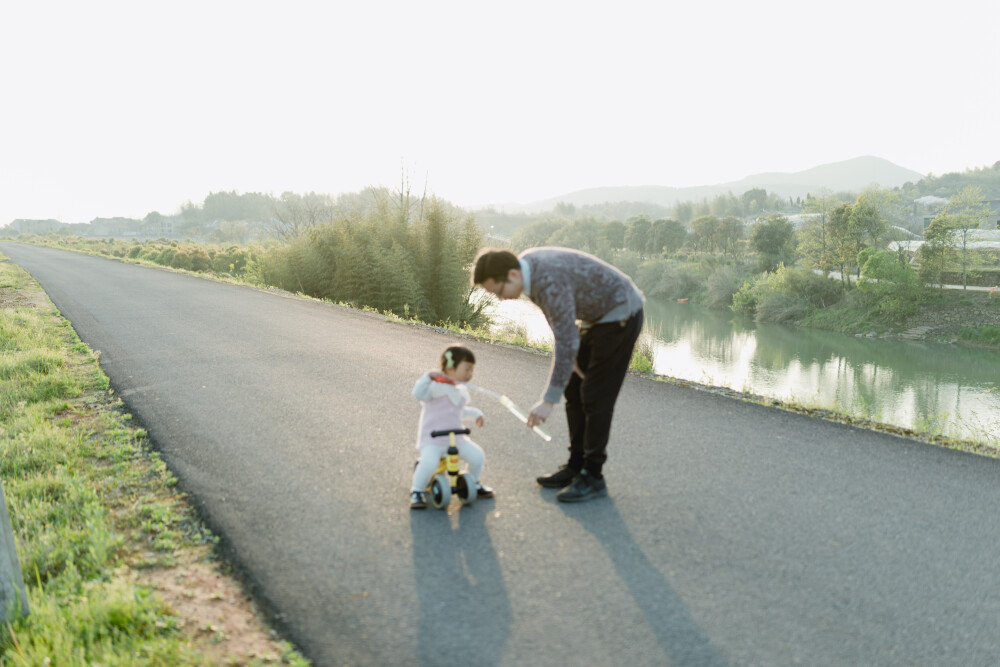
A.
x: 539, y: 413
x: 578, y: 371
x: 479, y: 422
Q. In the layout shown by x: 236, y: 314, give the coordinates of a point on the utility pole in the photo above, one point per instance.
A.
x: 13, y: 598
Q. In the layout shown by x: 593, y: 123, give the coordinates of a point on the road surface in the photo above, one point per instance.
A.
x: 734, y: 534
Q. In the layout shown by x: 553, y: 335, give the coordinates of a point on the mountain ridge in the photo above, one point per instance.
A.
x: 853, y: 174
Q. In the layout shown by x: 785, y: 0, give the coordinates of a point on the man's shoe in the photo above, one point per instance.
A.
x: 584, y: 487
x: 483, y: 491
x: 418, y: 500
x: 557, y: 480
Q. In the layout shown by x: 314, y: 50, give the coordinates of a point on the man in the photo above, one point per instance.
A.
x: 595, y: 312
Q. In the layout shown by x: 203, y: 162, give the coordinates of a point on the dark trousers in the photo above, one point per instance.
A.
x: 604, y: 357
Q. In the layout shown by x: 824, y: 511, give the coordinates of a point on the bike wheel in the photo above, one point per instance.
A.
x: 440, y: 491
x: 466, y: 489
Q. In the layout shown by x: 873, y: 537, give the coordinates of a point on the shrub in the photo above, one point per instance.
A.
x: 786, y: 294
x: 181, y: 260
x: 722, y: 285
x: 669, y: 280
x: 889, y: 288
x: 166, y: 256
x: 200, y: 261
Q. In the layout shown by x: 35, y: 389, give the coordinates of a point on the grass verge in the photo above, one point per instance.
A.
x: 119, y: 569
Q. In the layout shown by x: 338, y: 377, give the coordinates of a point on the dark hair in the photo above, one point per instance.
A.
x: 458, y: 355
x: 495, y: 264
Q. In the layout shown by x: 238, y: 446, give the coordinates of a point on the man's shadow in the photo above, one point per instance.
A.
x: 465, y: 615
x: 679, y: 635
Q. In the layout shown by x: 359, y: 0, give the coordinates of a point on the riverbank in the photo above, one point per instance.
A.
x: 958, y: 310
x: 952, y: 316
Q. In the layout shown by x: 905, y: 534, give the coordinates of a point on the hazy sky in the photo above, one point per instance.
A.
x: 122, y: 108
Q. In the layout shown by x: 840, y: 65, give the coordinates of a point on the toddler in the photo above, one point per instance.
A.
x: 444, y: 406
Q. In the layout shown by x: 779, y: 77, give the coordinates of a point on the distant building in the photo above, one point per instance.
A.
x: 978, y: 239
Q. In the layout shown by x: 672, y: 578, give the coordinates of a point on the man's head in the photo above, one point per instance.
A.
x: 499, y: 273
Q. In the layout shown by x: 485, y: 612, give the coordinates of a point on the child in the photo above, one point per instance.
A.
x: 444, y: 406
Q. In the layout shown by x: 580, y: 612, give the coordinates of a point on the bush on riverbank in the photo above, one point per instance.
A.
x: 887, y: 287
x: 787, y: 294
x: 706, y: 278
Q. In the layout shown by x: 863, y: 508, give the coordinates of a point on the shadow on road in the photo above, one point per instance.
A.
x: 682, y: 640
x: 465, y: 615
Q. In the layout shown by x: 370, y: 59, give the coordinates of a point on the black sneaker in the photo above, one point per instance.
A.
x: 557, y: 480
x: 418, y: 500
x: 584, y: 487
x: 483, y: 491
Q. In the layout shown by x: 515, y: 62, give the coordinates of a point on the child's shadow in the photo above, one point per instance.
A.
x: 465, y: 616
x: 679, y: 635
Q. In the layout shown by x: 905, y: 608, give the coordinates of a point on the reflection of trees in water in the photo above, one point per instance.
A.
x: 877, y: 378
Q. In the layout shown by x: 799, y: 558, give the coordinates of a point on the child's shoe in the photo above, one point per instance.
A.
x: 483, y: 491
x: 418, y: 500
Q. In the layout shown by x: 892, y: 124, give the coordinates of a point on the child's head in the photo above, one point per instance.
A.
x: 457, y: 363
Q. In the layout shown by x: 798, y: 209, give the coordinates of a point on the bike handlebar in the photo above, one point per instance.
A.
x: 448, y: 431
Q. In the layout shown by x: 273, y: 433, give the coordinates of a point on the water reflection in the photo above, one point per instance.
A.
x: 922, y: 385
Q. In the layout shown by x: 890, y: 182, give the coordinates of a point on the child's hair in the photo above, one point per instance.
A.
x: 456, y: 354
x: 495, y: 264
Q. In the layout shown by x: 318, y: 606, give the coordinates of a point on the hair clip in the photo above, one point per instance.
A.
x: 449, y: 361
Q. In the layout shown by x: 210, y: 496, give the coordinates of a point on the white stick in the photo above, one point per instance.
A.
x: 512, y: 407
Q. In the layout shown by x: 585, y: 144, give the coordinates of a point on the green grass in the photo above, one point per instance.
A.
x: 980, y: 336
x: 90, y: 504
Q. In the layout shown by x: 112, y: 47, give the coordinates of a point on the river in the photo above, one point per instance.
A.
x: 933, y: 387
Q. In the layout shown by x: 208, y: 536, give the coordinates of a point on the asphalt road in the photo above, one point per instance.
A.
x: 734, y: 534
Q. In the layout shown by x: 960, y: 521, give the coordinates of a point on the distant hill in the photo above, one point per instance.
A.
x: 850, y: 175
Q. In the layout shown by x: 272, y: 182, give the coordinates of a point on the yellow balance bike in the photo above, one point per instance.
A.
x: 446, y: 480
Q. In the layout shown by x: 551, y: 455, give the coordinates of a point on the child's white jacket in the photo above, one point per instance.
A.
x: 443, y: 406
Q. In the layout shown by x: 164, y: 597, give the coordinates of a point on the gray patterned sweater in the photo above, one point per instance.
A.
x: 570, y: 286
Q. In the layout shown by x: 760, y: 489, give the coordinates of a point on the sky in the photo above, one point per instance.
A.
x: 124, y: 108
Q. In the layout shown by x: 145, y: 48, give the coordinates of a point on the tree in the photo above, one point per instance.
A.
x: 637, y: 230
x: 965, y: 212
x: 821, y: 205
x: 850, y: 229
x: 153, y: 224
x: 295, y: 213
x: 534, y: 234
x: 684, y: 211
x: 614, y: 234
x: 704, y: 231
x: 729, y: 233
x: 564, y: 209
x: 754, y: 201
x: 873, y: 210
x: 583, y: 234
x: 774, y: 240
x: 844, y: 244
x: 888, y: 204
x: 937, y: 250
x: 667, y: 236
